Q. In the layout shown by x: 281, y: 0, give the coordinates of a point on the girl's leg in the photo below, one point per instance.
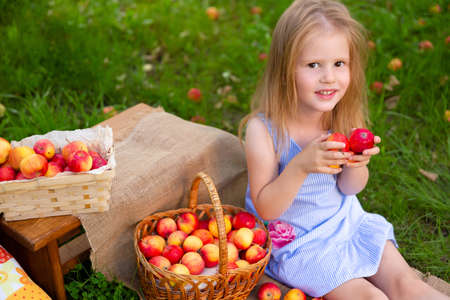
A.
x: 358, y: 288
x: 398, y: 280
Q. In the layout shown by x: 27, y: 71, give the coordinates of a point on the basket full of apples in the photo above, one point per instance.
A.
x: 205, y: 251
x: 59, y: 173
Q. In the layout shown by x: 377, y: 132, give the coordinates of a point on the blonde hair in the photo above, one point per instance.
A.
x: 276, y: 94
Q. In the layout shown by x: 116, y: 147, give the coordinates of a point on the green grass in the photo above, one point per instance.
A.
x: 61, y: 62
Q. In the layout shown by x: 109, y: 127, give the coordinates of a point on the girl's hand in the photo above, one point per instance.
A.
x: 316, y: 157
x: 363, y: 159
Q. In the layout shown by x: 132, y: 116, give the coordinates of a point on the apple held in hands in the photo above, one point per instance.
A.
x: 339, y: 137
x: 360, y: 140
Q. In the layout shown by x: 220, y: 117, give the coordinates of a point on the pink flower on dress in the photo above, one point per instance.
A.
x: 281, y: 233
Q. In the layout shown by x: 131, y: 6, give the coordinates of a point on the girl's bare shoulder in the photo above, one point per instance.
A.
x: 257, y: 136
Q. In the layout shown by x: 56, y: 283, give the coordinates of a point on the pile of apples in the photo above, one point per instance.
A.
x: 186, y: 245
x: 271, y: 291
x: 43, y: 159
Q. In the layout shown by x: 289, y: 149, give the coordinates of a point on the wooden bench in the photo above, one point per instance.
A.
x: 39, y: 245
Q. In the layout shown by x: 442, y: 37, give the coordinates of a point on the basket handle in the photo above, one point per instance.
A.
x: 218, y: 211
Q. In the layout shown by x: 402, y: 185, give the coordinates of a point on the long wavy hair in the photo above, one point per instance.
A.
x: 276, y: 94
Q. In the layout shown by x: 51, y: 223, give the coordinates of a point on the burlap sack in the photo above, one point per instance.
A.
x: 156, y: 164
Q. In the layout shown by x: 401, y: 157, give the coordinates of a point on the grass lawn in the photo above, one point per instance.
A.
x: 62, y: 62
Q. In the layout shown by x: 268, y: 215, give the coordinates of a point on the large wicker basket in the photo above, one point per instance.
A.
x: 65, y: 195
x: 230, y: 284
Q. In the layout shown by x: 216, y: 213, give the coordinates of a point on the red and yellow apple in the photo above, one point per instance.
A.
x: 194, y: 262
x: 244, y: 219
x: 395, y: 64
x: 230, y: 235
x: 53, y: 169
x: 5, y: 148
x: 187, y: 222
x: 269, y: 291
x: 294, y: 294
x: 152, y: 245
x: 19, y: 176
x: 338, y: 137
x: 160, y: 262
x: 203, y: 224
x: 195, y: 95
x: 176, y: 238
x: 17, y: 155
x: 260, y: 236
x: 192, y: 243
x: 212, y: 12
x: 73, y: 147
x: 204, y: 235
x: 45, y: 148
x: 7, y: 173
x: 33, y: 166
x: 80, y: 161
x: 178, y: 269
x: 243, y: 238
x: 173, y: 253
x: 254, y: 254
x: 210, y: 254
x: 166, y: 226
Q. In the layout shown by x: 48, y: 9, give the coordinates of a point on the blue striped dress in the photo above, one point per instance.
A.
x: 336, y: 240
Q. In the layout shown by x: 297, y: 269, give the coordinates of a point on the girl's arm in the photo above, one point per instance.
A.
x: 354, y: 177
x: 272, y: 194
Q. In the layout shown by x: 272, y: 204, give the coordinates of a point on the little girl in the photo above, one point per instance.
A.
x: 314, y: 84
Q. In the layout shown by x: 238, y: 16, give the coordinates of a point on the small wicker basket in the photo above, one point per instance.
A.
x: 229, y: 284
x: 56, y: 196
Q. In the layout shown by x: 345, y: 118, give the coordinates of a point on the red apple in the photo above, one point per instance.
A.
x: 7, y: 173
x: 73, y: 147
x: 45, y: 148
x: 244, y: 219
x: 269, y: 291
x: 166, y: 226
x: 210, y: 254
x: 203, y: 224
x: 260, y: 236
x: 173, y: 253
x: 256, y: 10
x: 425, y: 45
x: 254, y: 254
x: 377, y: 87
x: 80, y: 161
x: 176, y: 238
x: 204, y: 235
x: 19, y: 176
x: 360, y: 140
x: 160, y: 262
x: 194, y: 262
x: 59, y: 159
x: 97, y: 160
x: 33, y: 166
x: 5, y: 148
x: 194, y: 94
x: 151, y: 245
x: 339, y: 137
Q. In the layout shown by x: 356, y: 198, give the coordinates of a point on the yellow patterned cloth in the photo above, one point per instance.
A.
x: 15, y: 283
